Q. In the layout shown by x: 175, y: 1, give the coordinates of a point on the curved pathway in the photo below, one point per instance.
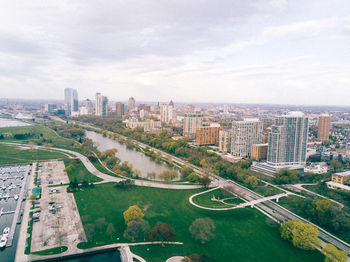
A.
x: 108, y: 178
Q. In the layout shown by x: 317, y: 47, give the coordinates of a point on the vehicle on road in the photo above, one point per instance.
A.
x: 6, y: 232
x: 3, y: 241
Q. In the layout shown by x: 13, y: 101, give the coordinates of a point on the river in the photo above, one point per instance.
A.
x: 138, y: 159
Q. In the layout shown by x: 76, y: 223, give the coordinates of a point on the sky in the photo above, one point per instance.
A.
x: 228, y: 51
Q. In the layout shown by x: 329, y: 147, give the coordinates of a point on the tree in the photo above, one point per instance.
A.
x: 251, y: 181
x: 186, y: 171
x: 302, y: 235
x: 133, y: 212
x: 168, y: 175
x: 162, y: 232
x: 136, y: 172
x: 333, y: 254
x: 205, y: 181
x: 336, y: 166
x: 110, y: 231
x: 193, y: 177
x: 136, y: 228
x: 202, y: 229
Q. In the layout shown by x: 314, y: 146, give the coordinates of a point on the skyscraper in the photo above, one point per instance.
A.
x: 167, y: 112
x: 70, y: 100
x: 244, y: 134
x: 288, y: 140
x: 119, y: 108
x: 131, y: 104
x: 191, y: 123
x: 101, y: 105
x: 324, y: 126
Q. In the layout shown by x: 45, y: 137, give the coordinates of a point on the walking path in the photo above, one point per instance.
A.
x: 243, y: 205
x: 22, y: 239
x: 300, y: 186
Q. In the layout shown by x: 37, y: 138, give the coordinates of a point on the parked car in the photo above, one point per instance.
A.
x: 6, y: 232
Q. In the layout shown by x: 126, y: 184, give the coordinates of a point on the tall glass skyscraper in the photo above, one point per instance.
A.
x: 101, y: 105
x: 288, y: 140
x: 70, y: 100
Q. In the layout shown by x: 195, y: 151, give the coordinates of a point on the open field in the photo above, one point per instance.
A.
x: 241, y: 235
x: 16, y: 154
x: 79, y: 172
x: 38, y: 130
x: 341, y: 196
x: 205, y: 200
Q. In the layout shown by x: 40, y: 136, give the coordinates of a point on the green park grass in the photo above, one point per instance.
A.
x: 339, y: 195
x: 241, y: 235
x: 267, y: 190
x: 11, y: 154
x: 79, y: 172
x: 37, y: 129
x: 205, y: 200
x: 51, y: 251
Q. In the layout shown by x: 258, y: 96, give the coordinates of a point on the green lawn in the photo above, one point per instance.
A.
x: 51, y: 251
x: 10, y: 154
x: 80, y: 172
x: 339, y: 195
x: 241, y: 235
x: 37, y: 129
x: 267, y: 190
x: 205, y: 200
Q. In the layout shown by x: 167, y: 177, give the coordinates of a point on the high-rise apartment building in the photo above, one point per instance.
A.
x: 50, y: 108
x: 244, y: 134
x: 208, y: 135
x: 70, y: 101
x: 324, y: 127
x: 191, y: 123
x: 225, y: 141
x: 259, y: 152
x: 119, y: 109
x: 166, y: 113
x: 101, y: 105
x: 288, y: 140
x: 131, y: 104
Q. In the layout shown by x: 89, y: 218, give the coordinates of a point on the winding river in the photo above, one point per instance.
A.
x: 137, y: 159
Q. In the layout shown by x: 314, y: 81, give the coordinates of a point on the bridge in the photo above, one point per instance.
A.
x: 243, y: 205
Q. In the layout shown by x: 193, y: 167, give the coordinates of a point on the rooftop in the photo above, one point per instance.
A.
x: 345, y: 173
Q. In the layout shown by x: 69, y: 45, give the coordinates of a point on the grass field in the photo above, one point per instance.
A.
x: 80, y: 172
x: 241, y: 235
x: 205, y: 200
x: 15, y: 154
x: 267, y: 190
x: 37, y: 129
x: 341, y: 196
x: 51, y: 251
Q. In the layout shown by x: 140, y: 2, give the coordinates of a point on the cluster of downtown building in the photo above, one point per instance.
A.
x: 283, y: 144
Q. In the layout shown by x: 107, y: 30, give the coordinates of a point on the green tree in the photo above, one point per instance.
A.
x: 133, y: 212
x: 162, y: 232
x: 110, y: 231
x: 193, y: 177
x: 168, y: 175
x: 302, y: 235
x: 186, y: 171
x: 202, y: 229
x: 251, y: 181
x: 333, y: 254
x: 136, y: 228
x: 336, y: 166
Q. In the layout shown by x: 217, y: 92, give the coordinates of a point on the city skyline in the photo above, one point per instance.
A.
x: 269, y: 52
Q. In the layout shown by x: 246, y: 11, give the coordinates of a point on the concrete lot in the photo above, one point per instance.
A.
x: 64, y: 227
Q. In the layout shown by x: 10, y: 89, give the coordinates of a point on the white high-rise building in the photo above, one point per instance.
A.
x: 167, y: 112
x: 191, y: 122
x: 244, y: 134
x: 288, y: 140
x: 87, y: 107
x: 70, y: 101
x: 225, y: 141
x: 101, y: 105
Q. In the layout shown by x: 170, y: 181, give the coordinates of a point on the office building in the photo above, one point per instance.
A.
x: 225, y: 141
x: 324, y: 126
x: 131, y: 104
x: 87, y: 107
x: 166, y: 113
x: 101, y: 105
x: 119, y: 109
x: 288, y: 140
x: 244, y: 134
x: 259, y: 152
x: 208, y: 135
x: 191, y: 123
x: 50, y: 108
x: 70, y: 101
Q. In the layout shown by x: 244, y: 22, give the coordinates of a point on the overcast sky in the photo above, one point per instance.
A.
x: 233, y: 51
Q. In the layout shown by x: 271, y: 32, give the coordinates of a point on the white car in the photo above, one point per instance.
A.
x: 3, y: 241
x: 6, y: 232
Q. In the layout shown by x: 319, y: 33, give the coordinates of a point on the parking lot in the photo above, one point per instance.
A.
x: 57, y: 221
